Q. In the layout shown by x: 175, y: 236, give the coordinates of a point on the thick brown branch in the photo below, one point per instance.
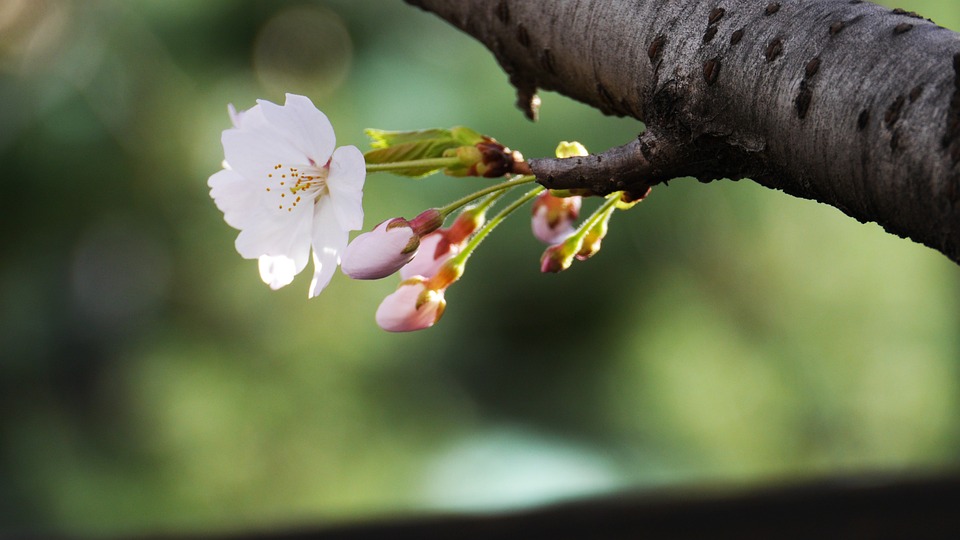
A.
x: 846, y: 103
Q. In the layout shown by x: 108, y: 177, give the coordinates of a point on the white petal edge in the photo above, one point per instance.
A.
x: 285, y: 235
x: 302, y: 125
x: 329, y: 240
x: 277, y: 270
x: 234, y: 196
x: 348, y: 171
x: 253, y: 153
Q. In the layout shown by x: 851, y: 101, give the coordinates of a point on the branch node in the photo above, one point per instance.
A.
x: 633, y: 167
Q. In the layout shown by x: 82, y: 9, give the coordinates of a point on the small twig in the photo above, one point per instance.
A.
x: 648, y: 160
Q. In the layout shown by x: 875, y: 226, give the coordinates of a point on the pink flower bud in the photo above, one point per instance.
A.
x: 380, y: 252
x: 465, y: 225
x: 440, y: 245
x: 553, y: 217
x: 558, y: 258
x: 434, y: 250
x: 426, y: 222
x: 411, y: 307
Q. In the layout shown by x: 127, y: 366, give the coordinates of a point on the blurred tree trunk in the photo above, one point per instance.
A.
x: 864, y: 507
x: 843, y: 102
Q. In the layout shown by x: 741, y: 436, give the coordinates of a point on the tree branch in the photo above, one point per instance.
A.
x: 864, y: 507
x: 648, y: 160
x: 843, y: 102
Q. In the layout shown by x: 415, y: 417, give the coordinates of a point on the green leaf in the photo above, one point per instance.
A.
x: 385, y: 139
x: 401, y: 147
x: 409, y: 151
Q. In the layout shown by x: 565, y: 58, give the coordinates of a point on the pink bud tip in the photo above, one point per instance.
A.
x: 380, y: 252
x: 555, y: 259
x: 427, y: 221
x: 435, y: 249
x: 553, y: 217
x: 411, y: 307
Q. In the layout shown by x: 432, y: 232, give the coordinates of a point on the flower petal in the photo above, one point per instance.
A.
x: 255, y: 153
x: 236, y: 117
x: 236, y: 197
x: 286, y: 235
x: 302, y: 126
x: 329, y: 240
x: 348, y: 168
x: 251, y: 118
x: 277, y: 271
x: 550, y: 233
x: 553, y: 216
x: 345, y: 182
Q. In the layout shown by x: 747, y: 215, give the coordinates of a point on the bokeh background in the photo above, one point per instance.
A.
x: 726, y: 335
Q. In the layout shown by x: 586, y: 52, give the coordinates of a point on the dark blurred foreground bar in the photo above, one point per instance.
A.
x: 857, y: 507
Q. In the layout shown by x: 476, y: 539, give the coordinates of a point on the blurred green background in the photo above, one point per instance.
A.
x: 725, y: 335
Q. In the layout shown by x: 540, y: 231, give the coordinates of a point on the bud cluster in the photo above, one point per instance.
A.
x: 430, y: 257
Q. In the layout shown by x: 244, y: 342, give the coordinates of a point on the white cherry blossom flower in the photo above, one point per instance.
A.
x: 289, y: 190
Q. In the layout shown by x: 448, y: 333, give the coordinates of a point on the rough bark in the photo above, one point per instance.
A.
x: 840, y: 101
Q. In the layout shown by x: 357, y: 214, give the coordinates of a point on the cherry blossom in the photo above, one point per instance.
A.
x: 289, y: 190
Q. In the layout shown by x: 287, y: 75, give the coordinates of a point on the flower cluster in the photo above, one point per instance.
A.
x: 291, y: 193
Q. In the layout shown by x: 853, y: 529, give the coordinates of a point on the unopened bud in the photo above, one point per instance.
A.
x: 593, y: 238
x: 497, y: 159
x: 435, y: 249
x: 449, y: 272
x: 568, y: 149
x: 413, y: 306
x: 553, y: 217
x: 559, y: 257
x: 440, y: 245
x: 466, y: 224
x: 629, y: 198
x: 380, y: 252
x: 426, y: 222
x: 487, y: 158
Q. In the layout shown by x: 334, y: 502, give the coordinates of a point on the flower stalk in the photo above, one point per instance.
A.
x: 415, y: 164
x: 461, y: 258
x: 502, y: 187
